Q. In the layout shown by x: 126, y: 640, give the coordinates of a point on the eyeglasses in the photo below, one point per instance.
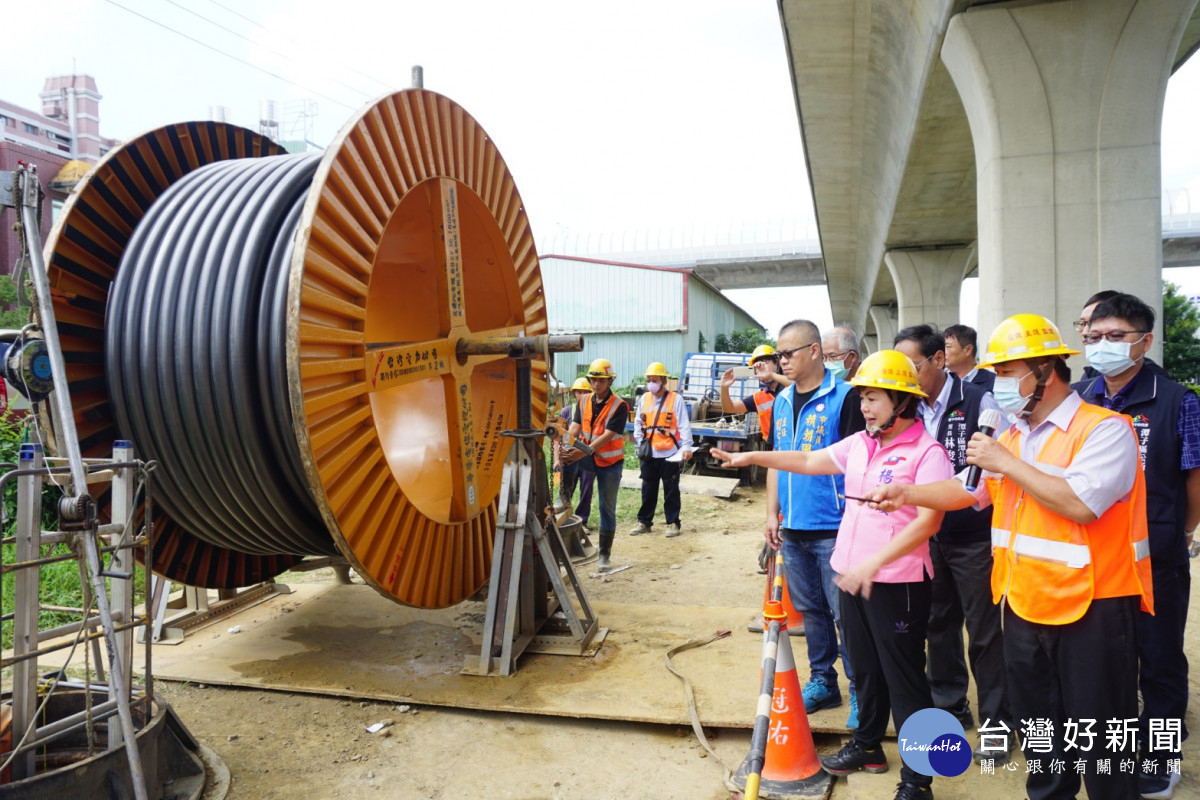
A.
x: 1080, y: 324
x: 837, y: 356
x: 786, y: 355
x: 920, y: 363
x: 1112, y: 336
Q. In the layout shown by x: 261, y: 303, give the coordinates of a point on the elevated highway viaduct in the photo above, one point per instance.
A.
x: 1017, y: 138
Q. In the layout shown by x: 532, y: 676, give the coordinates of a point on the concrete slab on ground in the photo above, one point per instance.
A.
x: 349, y: 641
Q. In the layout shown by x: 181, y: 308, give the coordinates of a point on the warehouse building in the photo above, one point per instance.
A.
x: 634, y: 314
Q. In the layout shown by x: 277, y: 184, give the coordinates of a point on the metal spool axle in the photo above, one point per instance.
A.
x: 309, y: 346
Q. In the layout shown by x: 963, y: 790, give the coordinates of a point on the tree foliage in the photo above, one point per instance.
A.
x: 743, y: 341
x: 11, y: 315
x: 1181, y: 348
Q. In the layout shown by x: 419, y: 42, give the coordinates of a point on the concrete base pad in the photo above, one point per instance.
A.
x: 349, y: 641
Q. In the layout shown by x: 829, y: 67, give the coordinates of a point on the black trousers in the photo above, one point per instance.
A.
x: 1084, y: 670
x: 962, y: 592
x: 1163, y: 676
x: 653, y: 471
x: 885, y: 639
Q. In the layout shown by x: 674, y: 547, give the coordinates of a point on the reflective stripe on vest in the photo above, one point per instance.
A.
x: 1075, y: 556
x: 659, y: 421
x: 590, y: 429
x: 1049, y: 568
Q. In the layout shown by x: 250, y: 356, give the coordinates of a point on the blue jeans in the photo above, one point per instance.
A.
x: 608, y: 481
x: 573, y: 476
x: 815, y: 595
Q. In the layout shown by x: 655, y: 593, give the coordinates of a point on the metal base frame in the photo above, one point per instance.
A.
x: 198, y: 607
x: 535, y: 600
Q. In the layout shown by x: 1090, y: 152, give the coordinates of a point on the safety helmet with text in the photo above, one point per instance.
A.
x: 601, y: 368
x: 761, y: 352
x: 890, y: 370
x: 581, y: 385
x: 1023, y: 336
x: 657, y: 370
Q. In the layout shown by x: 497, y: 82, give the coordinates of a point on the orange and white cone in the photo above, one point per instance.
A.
x: 782, y: 762
x: 776, y: 589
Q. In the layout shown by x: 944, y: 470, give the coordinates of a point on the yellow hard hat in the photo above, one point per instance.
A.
x: 601, y: 368
x: 888, y: 369
x: 1023, y: 336
x: 762, y: 351
x: 581, y: 385
x: 657, y: 370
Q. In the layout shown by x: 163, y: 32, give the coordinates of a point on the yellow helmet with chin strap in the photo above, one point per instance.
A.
x: 761, y: 352
x: 581, y: 385
x: 888, y: 369
x: 657, y: 370
x: 1023, y: 336
x: 601, y: 368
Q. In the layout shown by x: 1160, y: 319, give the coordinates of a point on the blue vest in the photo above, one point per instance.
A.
x: 1153, y: 404
x: 810, y: 502
x: 959, y: 421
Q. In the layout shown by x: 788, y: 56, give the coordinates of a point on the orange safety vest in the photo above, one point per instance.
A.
x: 763, y: 402
x: 1050, y: 568
x: 660, y: 422
x: 590, y: 429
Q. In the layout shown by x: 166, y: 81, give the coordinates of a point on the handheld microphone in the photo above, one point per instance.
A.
x: 989, y: 420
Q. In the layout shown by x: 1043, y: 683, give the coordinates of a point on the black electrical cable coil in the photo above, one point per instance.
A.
x: 195, y: 350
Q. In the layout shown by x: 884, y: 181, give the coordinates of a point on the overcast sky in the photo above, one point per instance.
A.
x: 649, y: 115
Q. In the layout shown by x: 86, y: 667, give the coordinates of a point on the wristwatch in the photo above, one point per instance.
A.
x: 1194, y: 547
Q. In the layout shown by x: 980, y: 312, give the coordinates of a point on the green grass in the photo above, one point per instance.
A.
x: 59, y: 582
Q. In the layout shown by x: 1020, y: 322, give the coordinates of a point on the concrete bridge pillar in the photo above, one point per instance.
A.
x: 883, y: 318
x: 928, y: 283
x: 1065, y: 105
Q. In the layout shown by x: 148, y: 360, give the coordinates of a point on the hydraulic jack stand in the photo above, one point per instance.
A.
x: 535, y: 601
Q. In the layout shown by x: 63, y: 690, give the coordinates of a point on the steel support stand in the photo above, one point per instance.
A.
x: 535, y: 600
x: 26, y: 583
x: 78, y: 508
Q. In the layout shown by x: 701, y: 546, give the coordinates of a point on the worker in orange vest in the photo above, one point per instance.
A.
x: 664, y: 438
x: 572, y: 475
x: 599, y: 424
x: 765, y: 363
x: 1070, y: 560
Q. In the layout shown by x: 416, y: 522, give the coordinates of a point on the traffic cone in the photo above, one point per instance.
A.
x: 790, y: 767
x: 795, y: 620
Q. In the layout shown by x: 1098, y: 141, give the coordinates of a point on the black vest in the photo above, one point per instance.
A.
x: 985, y: 378
x: 1153, y: 404
x: 958, y: 422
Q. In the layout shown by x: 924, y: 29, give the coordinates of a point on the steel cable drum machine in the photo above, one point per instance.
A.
x: 339, y: 354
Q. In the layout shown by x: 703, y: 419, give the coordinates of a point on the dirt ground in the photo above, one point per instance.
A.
x: 281, y: 745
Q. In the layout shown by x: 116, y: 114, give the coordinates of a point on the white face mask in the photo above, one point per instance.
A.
x: 1007, y: 392
x: 1110, y: 358
x: 653, y: 386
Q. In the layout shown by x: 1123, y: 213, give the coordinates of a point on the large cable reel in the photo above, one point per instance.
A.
x: 358, y: 397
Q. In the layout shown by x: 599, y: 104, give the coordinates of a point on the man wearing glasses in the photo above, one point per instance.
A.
x: 840, y: 346
x: 1166, y: 417
x: 818, y: 410
x: 1070, y: 556
x: 1080, y: 325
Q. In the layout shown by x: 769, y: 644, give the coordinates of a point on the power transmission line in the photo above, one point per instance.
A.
x: 197, y: 14
x: 258, y: 24
x: 219, y: 51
